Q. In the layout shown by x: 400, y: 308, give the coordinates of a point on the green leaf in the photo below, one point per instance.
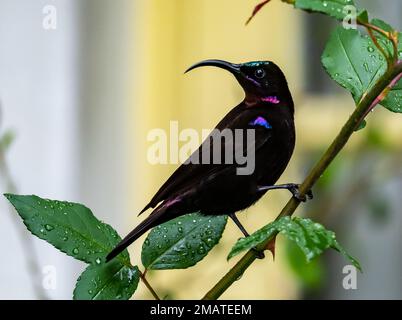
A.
x: 70, y: 227
x: 353, y: 61
x: 182, y: 242
x: 363, y: 16
x: 382, y: 40
x: 333, y: 8
x: 382, y: 24
x: 110, y: 281
x: 243, y: 244
x: 311, y: 237
x: 393, y: 101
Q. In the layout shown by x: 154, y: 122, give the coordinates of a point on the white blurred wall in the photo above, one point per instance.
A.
x: 64, y: 93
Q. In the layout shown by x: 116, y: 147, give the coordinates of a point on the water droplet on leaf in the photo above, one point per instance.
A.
x: 366, y: 66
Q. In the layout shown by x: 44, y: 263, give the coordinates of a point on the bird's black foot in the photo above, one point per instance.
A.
x: 258, y: 254
x: 294, y: 189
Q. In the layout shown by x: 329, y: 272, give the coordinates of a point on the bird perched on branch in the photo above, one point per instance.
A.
x: 221, y: 187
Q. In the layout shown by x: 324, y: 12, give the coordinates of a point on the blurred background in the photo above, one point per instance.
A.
x: 78, y: 98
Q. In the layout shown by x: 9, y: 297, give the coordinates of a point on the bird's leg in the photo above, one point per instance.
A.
x: 238, y: 224
x: 292, y: 187
x: 260, y: 254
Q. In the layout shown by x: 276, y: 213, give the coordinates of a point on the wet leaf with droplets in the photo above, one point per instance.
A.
x: 393, y: 101
x: 334, y: 8
x: 184, y: 241
x: 353, y: 61
x: 111, y: 281
x: 70, y: 227
x: 311, y: 237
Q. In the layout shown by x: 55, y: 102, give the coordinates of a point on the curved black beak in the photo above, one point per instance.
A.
x: 231, y: 67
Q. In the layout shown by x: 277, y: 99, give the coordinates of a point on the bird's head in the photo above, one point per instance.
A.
x: 261, y: 80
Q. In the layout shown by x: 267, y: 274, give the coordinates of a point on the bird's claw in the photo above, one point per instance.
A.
x: 296, y: 193
x: 258, y: 254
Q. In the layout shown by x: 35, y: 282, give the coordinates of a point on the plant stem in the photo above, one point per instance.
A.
x: 375, y: 28
x: 367, y: 103
x: 148, y: 285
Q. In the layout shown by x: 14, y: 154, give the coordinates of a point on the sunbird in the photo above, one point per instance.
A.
x: 212, y: 188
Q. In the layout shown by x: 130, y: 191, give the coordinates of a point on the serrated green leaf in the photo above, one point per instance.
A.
x: 182, y: 242
x: 311, y: 237
x: 254, y: 239
x: 382, y: 24
x: 341, y: 250
x: 333, y: 8
x: 110, y: 281
x: 353, y: 61
x: 70, y: 227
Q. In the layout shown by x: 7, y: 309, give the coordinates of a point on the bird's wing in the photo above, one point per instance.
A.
x: 190, y: 173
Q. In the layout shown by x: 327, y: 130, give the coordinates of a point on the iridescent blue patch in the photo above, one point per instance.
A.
x: 260, y: 121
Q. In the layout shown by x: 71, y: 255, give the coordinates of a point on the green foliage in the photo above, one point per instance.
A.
x: 311, y: 237
x: 393, y: 101
x: 111, y: 281
x: 74, y: 230
x: 333, y: 8
x: 182, y: 242
x: 70, y: 227
x: 353, y: 61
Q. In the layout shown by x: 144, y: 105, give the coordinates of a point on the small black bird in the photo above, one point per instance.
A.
x: 218, y: 188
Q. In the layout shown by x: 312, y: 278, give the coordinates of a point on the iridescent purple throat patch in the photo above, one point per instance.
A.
x: 271, y: 99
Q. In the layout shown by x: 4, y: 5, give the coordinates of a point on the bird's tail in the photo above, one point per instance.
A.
x: 158, y: 216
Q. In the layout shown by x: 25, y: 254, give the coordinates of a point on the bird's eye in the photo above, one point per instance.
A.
x: 259, y: 73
